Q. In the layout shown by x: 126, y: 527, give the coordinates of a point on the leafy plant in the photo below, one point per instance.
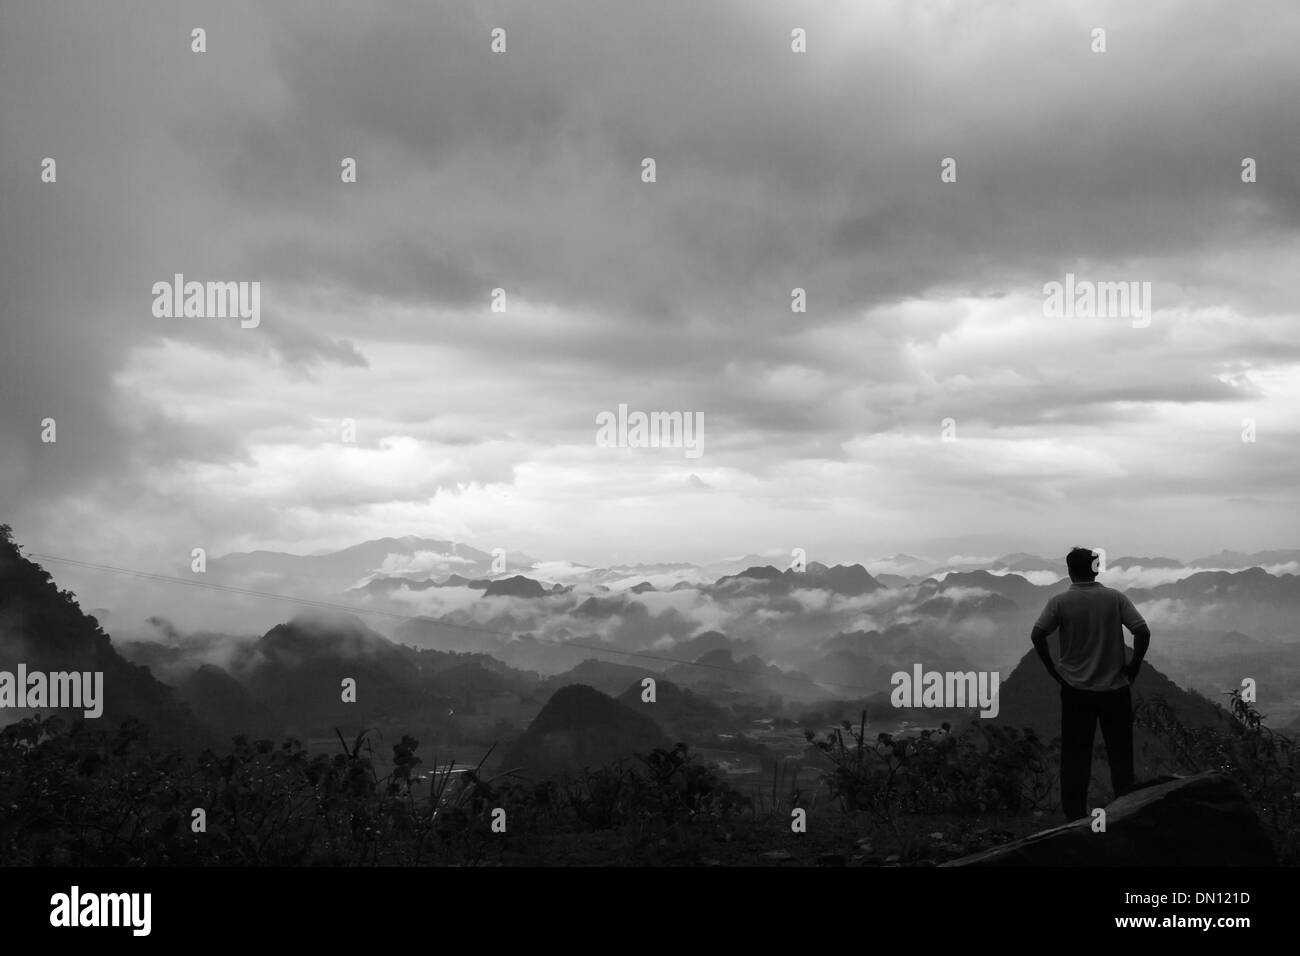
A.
x: 1266, y: 764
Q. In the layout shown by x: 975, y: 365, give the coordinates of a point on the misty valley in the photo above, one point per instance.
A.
x: 426, y: 688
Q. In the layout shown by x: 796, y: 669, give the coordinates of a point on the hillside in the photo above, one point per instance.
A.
x: 581, y: 727
x: 289, y: 680
x: 44, y: 628
x: 608, y: 677
x: 682, y: 714
x: 1029, y: 698
x: 224, y: 704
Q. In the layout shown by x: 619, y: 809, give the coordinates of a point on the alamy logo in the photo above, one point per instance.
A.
x: 57, y: 690
x: 1090, y: 300
x: 947, y: 690
x: 214, y: 300
x: 653, y: 430
x: 75, y: 908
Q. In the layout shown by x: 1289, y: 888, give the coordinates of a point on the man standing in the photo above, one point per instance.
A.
x: 1093, y: 676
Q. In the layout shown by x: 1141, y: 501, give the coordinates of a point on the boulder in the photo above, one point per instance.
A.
x: 1199, y: 820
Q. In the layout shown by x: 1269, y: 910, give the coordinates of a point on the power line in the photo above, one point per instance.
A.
x: 329, y: 605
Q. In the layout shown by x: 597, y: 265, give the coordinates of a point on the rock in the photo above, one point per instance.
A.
x: 832, y: 859
x: 778, y: 856
x: 1200, y: 820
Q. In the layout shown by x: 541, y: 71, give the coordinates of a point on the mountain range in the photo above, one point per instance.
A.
x: 734, y: 658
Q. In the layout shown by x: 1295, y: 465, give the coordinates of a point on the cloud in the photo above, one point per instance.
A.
x: 521, y: 172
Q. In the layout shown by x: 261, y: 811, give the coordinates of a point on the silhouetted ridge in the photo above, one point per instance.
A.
x: 517, y: 586
x: 680, y: 712
x: 581, y: 727
x: 1030, y: 698
x: 44, y: 627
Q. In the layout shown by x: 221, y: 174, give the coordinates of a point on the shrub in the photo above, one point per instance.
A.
x: 70, y: 795
x: 985, y: 769
x: 1264, y: 763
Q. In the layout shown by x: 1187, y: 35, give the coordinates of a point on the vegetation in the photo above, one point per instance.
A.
x: 1265, y: 764
x: 986, y: 769
x: 88, y: 797
x: 71, y: 795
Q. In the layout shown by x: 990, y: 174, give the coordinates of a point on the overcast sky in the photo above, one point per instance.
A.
x: 775, y: 169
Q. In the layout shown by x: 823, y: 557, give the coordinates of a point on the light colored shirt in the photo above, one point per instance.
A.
x: 1089, y: 616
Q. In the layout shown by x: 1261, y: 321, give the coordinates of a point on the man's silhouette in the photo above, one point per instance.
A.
x: 1093, y: 676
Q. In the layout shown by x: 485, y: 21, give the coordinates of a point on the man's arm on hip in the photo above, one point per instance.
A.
x: 1039, y: 636
x: 1137, y: 626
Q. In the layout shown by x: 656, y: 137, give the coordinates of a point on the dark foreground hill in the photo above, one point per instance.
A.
x: 290, y: 681
x: 297, y: 670
x: 44, y: 628
x: 581, y: 727
x: 1030, y: 698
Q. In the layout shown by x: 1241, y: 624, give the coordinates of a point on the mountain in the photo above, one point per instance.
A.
x: 297, y: 669
x: 1012, y: 587
x: 764, y: 572
x: 460, y: 581
x: 1028, y: 562
x: 861, y: 663
x: 906, y: 566
x: 581, y: 727
x: 614, y: 604
x: 847, y: 579
x: 850, y: 580
x: 893, y: 580
x: 289, y: 682
x: 620, y: 577
x: 682, y: 714
x: 692, y: 649
x: 1030, y: 698
x: 355, y: 566
x: 44, y: 628
x: 1156, y: 563
x: 948, y: 608
x: 517, y: 586
x: 718, y: 672
x: 1240, y: 560
x: 606, y: 676
x: 222, y: 702
x: 1254, y: 601
x: 382, y: 586
x: 1251, y: 586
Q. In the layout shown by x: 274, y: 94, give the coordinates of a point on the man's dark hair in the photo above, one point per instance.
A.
x: 1079, y: 561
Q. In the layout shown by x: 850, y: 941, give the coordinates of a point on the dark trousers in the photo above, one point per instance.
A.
x: 1081, y: 711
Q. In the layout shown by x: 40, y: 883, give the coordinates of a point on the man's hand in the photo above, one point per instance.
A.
x: 1130, y: 670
